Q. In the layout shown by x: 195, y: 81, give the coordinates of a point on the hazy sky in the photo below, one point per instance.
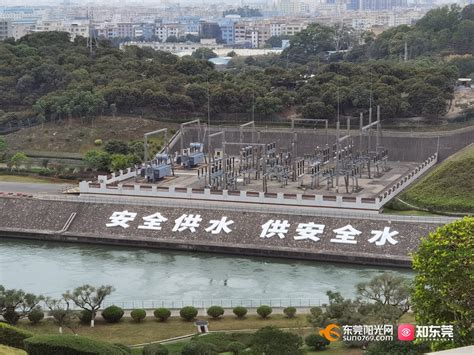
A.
x: 150, y: 2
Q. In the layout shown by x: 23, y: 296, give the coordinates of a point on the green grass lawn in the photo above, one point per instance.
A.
x: 447, y: 188
x: 129, y: 333
x: 6, y: 350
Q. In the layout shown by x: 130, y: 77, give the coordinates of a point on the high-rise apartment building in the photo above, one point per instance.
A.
x: 5, y: 29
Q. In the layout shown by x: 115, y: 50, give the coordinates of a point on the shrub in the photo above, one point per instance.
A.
x: 13, y: 336
x: 36, y: 315
x: 235, y: 347
x: 112, y: 314
x: 98, y: 142
x: 395, y: 347
x: 290, y: 312
x: 162, y: 314
x: 154, y: 349
x: 71, y: 345
x: 198, y: 348
x: 240, y: 311
x: 316, y: 342
x: 215, y: 311
x: 138, y: 315
x: 188, y: 313
x: 271, y: 340
x: 85, y: 316
x: 123, y: 347
x: 264, y: 311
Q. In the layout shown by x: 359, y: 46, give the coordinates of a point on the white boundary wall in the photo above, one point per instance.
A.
x: 369, y: 204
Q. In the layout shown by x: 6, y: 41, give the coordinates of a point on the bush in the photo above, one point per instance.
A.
x: 290, y: 312
x: 240, y: 311
x: 98, y: 142
x: 154, y: 349
x: 271, y: 340
x: 70, y: 345
x: 123, y: 347
x: 395, y: 347
x: 264, y: 311
x: 138, y: 315
x: 13, y: 336
x: 36, y: 315
x: 162, y: 314
x: 316, y: 342
x: 188, y: 313
x: 215, y: 311
x: 198, y: 348
x: 112, y: 314
x: 236, y: 347
x: 85, y: 316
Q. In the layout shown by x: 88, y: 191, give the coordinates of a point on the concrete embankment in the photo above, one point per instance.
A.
x: 350, y: 240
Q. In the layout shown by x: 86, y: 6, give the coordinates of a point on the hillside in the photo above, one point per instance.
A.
x: 74, y: 137
x: 448, y: 188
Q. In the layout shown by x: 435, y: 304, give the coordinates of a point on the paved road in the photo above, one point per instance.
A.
x: 31, y: 188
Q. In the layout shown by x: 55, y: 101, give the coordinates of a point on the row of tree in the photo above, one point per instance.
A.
x: 442, y: 31
x: 16, y: 304
x: 58, y: 79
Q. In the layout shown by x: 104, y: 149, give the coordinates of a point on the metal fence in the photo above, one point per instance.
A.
x: 206, y: 303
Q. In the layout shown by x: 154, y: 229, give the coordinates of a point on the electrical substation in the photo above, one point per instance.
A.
x: 305, y: 157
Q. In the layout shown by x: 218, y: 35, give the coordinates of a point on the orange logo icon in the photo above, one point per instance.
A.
x: 332, y: 332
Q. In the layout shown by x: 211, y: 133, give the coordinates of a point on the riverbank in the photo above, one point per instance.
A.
x: 318, y: 238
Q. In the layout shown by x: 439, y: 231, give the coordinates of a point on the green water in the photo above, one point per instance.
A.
x: 145, y: 276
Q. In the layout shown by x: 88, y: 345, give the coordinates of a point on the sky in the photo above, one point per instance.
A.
x: 149, y: 2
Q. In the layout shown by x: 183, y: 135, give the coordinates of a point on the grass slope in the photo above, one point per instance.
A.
x: 77, y: 137
x: 6, y: 350
x: 448, y: 188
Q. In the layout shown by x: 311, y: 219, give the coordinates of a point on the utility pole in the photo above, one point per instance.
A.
x: 92, y: 43
x: 405, y: 57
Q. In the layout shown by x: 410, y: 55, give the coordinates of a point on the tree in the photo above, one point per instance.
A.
x: 97, y: 160
x: 18, y: 159
x: 116, y: 147
x: 171, y: 39
x: 318, y: 110
x: 203, y: 53
x: 60, y: 311
x: 16, y: 304
x: 121, y: 162
x: 3, y: 148
x: 442, y: 290
x: 387, y: 289
x: 271, y: 340
x: 89, y: 298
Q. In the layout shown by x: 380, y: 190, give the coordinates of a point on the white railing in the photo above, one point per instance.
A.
x: 188, y: 193
x: 121, y: 175
x: 405, y: 181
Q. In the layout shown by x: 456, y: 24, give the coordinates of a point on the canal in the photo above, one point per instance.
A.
x: 153, y: 277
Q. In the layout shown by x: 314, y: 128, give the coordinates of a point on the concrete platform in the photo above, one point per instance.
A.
x: 367, y: 187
